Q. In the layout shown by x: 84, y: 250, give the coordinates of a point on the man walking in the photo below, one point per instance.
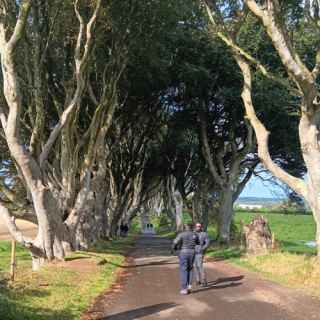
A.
x: 200, y: 250
x: 186, y: 242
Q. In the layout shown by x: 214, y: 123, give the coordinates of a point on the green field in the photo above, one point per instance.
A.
x: 291, y: 231
x: 58, y: 292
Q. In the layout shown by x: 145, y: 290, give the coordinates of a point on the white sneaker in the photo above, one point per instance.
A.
x: 189, y: 287
x: 184, y: 292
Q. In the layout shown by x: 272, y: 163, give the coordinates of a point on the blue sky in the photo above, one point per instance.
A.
x: 257, y: 187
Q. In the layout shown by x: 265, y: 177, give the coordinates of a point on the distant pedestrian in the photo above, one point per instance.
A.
x: 200, y: 251
x: 124, y: 229
x: 121, y: 229
x: 186, y: 242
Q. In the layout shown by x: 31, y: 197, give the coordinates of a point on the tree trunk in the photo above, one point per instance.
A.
x: 114, y: 228
x: 116, y: 218
x: 198, y: 212
x: 225, y: 215
x: 318, y: 237
x: 101, y: 197
x: 53, y: 240
x: 309, y: 140
x: 171, y: 215
x: 101, y: 218
x: 196, y: 207
x: 313, y: 201
x: 178, y: 201
x: 200, y: 205
x: 61, y: 246
x: 259, y: 239
x: 53, y: 236
x: 169, y: 206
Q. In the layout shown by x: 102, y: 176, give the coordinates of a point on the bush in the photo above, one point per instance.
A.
x: 187, y: 217
x: 161, y: 223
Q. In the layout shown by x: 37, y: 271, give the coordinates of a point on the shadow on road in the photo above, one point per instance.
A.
x: 221, y: 283
x: 159, y: 263
x: 228, y: 279
x: 149, y: 264
x: 216, y: 287
x: 141, y: 312
x: 80, y: 258
x: 122, y: 266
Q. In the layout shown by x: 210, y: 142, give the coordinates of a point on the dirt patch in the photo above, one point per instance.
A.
x: 28, y: 229
x: 81, y: 265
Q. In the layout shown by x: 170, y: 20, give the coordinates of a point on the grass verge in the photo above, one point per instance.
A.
x: 301, y: 271
x: 294, y: 264
x: 59, y: 291
x: 293, y: 270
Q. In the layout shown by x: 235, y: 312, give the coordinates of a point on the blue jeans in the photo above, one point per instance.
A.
x: 186, y: 264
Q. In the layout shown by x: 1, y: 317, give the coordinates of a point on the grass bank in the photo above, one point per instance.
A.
x: 293, y: 270
x: 60, y: 291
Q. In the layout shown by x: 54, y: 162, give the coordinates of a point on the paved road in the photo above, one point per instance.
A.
x: 151, y: 292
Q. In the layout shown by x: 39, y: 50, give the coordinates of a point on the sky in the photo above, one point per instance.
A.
x: 256, y: 187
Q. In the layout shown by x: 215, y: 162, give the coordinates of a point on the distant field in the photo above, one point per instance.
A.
x: 292, y: 231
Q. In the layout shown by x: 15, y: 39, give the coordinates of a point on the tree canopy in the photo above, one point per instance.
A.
x: 111, y: 110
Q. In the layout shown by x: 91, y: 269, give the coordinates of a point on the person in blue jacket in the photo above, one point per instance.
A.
x: 186, y: 242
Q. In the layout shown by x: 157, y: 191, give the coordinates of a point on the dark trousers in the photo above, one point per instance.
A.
x: 199, y: 271
x: 186, y: 264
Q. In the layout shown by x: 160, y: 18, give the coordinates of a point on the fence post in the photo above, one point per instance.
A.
x: 13, y: 260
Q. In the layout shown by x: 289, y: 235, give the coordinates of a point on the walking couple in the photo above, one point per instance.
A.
x: 191, y: 245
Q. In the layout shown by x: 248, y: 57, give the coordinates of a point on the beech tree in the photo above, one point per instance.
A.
x: 56, y: 132
x: 302, y: 71
x: 111, y: 108
x: 52, y: 239
x: 206, y: 90
x: 207, y: 87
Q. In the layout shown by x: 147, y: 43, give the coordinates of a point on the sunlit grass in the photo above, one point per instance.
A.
x: 293, y: 263
x: 58, y: 292
x: 294, y: 270
x: 23, y: 256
